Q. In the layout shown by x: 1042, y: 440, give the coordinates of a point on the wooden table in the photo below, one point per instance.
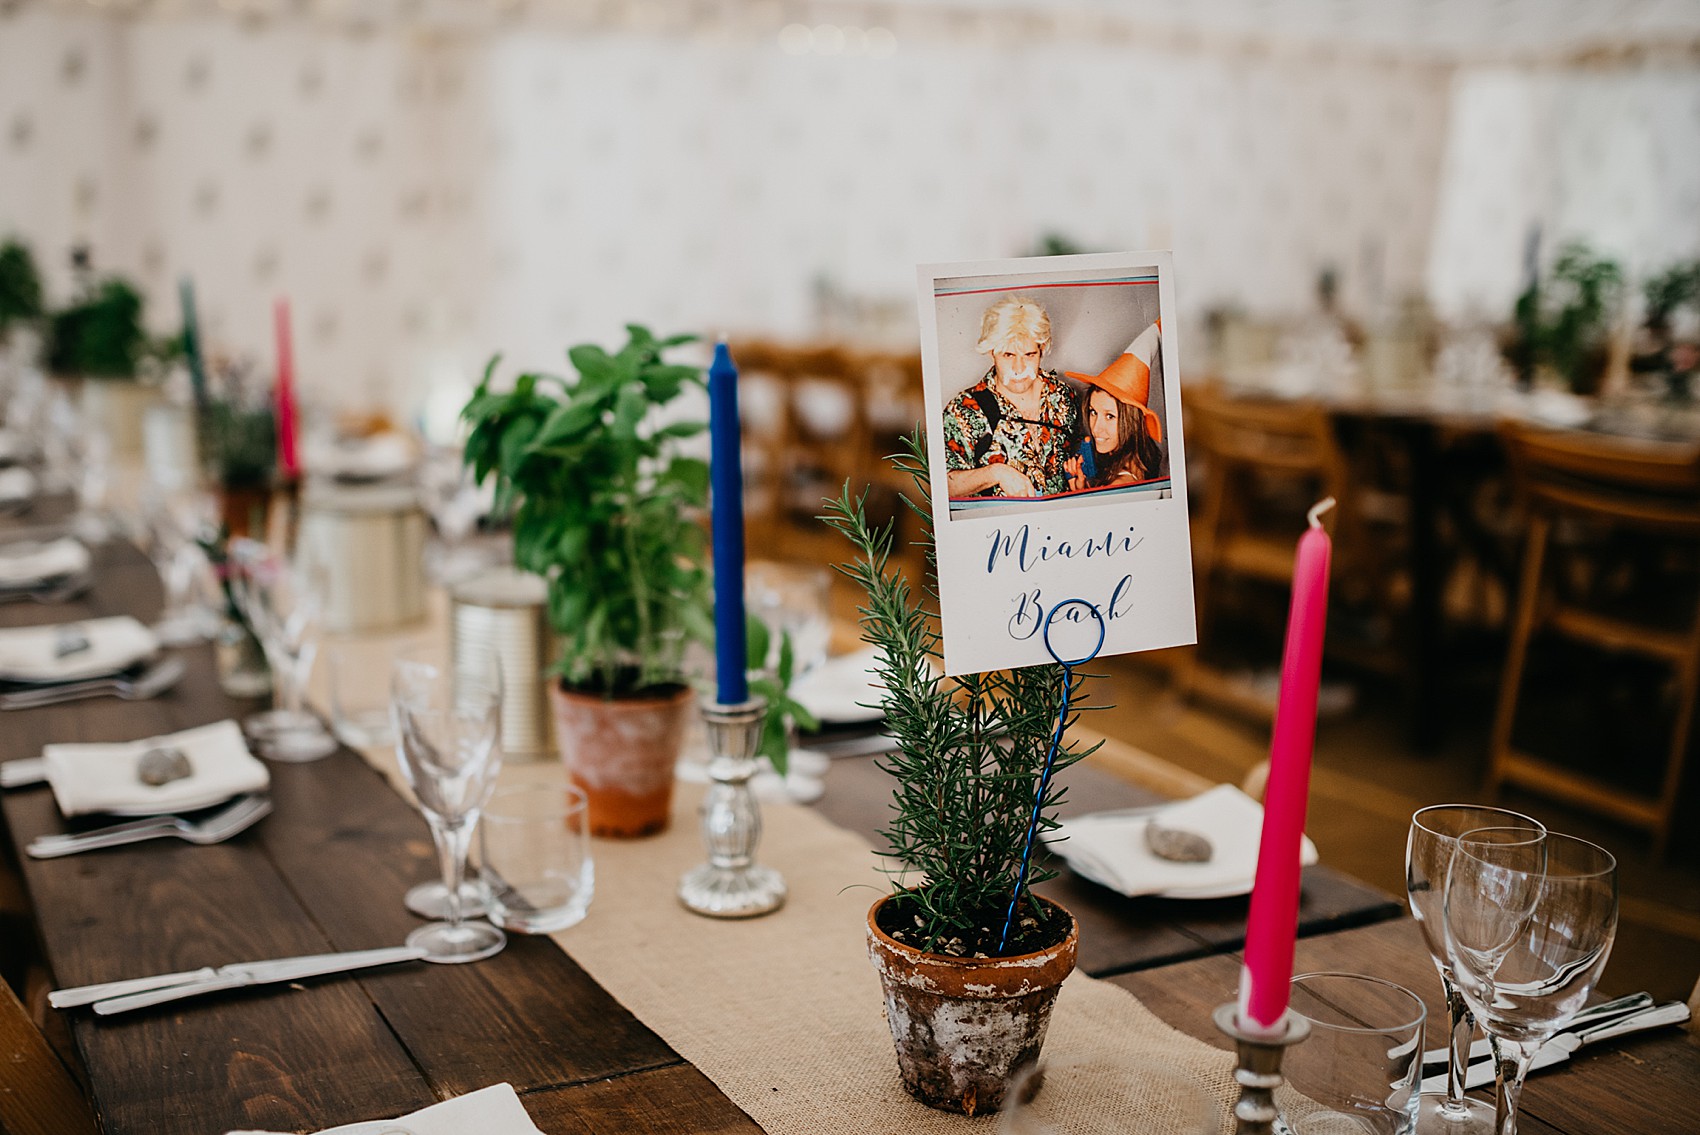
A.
x: 1638, y: 1086
x: 326, y: 872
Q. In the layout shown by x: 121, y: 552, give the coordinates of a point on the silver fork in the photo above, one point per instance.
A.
x: 239, y: 815
x: 150, y: 683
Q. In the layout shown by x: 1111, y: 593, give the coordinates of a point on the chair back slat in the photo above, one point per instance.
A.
x: 1636, y: 484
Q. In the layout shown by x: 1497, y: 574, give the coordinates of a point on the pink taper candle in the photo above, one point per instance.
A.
x: 1273, y: 922
x: 287, y: 458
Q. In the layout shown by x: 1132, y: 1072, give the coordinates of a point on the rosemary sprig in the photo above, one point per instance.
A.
x: 970, y: 752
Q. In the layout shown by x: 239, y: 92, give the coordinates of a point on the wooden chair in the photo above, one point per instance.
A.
x: 1582, y: 492
x: 805, y: 432
x: 1264, y: 463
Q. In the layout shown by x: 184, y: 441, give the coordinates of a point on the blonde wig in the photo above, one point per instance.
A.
x: 1013, y: 317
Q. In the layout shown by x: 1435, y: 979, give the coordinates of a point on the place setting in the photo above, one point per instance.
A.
x: 44, y: 571
x: 114, y: 656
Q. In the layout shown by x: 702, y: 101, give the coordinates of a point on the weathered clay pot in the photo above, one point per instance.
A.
x: 621, y: 752
x: 964, y: 1026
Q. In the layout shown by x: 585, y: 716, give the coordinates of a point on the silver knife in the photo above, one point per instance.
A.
x: 242, y: 974
x: 1586, y: 1019
x: 1559, y: 1049
x: 88, y: 994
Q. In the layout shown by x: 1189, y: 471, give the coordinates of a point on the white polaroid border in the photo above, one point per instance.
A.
x: 1004, y: 565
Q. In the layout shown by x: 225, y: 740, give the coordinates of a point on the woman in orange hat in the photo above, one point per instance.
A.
x: 1123, y: 452
x: 1123, y: 442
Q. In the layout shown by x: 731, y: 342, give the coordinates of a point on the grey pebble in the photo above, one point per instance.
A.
x: 1177, y: 844
x: 162, y: 766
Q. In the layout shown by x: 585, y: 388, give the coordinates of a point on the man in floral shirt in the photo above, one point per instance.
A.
x: 1009, y: 434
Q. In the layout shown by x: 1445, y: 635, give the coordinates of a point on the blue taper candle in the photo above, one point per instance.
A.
x: 726, y: 479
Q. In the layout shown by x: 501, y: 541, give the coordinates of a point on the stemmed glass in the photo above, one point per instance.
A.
x: 455, y: 503
x: 1529, y: 926
x: 169, y: 526
x: 281, y: 604
x: 448, y: 736
x: 1428, y: 852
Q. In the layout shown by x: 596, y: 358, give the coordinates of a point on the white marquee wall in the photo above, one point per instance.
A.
x: 1611, y: 157
x: 426, y: 198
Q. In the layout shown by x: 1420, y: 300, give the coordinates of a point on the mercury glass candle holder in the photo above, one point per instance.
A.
x: 731, y: 884
x: 1258, y: 1072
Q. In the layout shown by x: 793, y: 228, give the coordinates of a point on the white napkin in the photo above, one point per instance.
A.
x: 832, y: 690
x: 12, y: 445
x: 495, y: 1110
x: 103, y: 777
x: 26, y: 563
x: 16, y: 484
x: 1110, y: 849
x: 27, y: 654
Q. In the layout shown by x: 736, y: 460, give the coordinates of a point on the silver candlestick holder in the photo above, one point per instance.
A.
x: 1259, y: 1071
x: 731, y: 884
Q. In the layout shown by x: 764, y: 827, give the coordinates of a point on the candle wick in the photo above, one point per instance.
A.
x: 1317, y: 509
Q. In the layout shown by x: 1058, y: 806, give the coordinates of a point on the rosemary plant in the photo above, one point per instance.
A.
x: 968, y: 764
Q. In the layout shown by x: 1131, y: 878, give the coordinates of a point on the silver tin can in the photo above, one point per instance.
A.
x: 507, y: 609
x: 367, y: 543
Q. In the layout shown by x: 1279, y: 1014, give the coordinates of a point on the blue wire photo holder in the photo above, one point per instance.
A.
x: 1068, y: 666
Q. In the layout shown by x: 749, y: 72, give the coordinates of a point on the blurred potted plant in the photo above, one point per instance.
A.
x: 236, y: 434
x: 605, y: 507
x: 967, y: 1010
x: 1659, y: 352
x: 1564, y: 323
x: 98, y: 347
x: 20, y: 290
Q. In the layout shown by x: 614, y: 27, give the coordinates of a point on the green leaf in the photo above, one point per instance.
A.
x: 674, y: 431
x: 756, y: 638
x: 629, y: 408
x: 689, y: 475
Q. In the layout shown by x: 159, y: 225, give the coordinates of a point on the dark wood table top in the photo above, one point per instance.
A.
x: 326, y: 872
x: 1637, y: 1085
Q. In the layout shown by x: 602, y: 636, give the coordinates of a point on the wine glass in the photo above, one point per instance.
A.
x: 1529, y: 926
x: 282, y: 604
x: 1428, y: 851
x: 169, y: 526
x: 448, y: 736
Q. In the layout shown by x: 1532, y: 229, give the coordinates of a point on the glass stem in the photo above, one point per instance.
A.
x: 1463, y: 1030
x: 1511, y: 1060
x: 452, y: 843
x: 298, y: 672
x: 278, y: 662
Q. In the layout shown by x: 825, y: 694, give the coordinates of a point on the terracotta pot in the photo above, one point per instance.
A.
x: 964, y: 1026
x: 621, y: 751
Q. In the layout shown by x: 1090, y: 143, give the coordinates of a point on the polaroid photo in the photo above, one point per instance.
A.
x: 1055, y: 461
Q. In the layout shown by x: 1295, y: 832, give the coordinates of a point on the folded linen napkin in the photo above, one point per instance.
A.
x: 1110, y: 849
x: 32, y: 654
x: 27, y: 563
x: 495, y: 1110
x: 16, y: 484
x: 104, y: 777
x: 842, y: 689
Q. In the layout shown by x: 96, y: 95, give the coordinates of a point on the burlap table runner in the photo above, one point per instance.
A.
x: 784, y: 1013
